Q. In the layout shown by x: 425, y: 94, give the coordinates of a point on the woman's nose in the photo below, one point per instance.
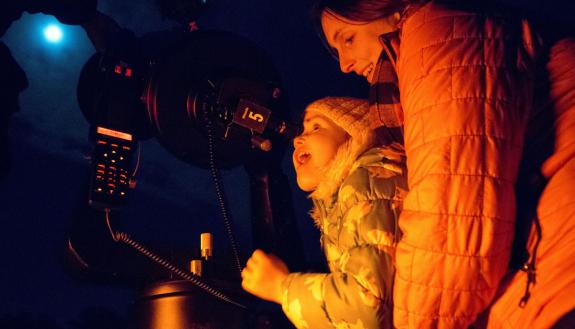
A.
x: 345, y: 64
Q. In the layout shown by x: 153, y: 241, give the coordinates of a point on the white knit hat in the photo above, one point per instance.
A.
x: 351, y: 114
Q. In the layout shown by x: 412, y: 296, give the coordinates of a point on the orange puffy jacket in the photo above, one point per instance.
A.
x: 468, y: 90
x: 551, y: 136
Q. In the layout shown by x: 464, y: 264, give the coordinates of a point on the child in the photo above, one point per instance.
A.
x: 357, y: 190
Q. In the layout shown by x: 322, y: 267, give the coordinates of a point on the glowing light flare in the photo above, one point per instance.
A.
x: 53, y: 33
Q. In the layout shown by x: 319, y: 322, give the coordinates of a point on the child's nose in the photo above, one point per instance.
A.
x: 298, y: 141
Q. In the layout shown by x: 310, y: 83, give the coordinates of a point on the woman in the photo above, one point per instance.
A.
x: 485, y: 105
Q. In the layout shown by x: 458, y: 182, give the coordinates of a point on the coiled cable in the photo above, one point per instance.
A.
x: 219, y: 188
x: 194, y: 279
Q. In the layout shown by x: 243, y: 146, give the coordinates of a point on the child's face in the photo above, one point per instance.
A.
x: 315, y: 148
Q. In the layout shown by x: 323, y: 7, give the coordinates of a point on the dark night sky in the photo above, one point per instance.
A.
x: 173, y: 201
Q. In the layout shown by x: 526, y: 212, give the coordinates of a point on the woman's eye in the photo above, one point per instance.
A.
x: 348, y: 41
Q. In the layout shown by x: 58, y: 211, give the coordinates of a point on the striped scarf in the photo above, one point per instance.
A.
x: 384, y: 104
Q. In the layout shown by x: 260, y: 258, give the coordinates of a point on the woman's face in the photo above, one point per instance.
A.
x: 357, y: 43
x: 315, y: 148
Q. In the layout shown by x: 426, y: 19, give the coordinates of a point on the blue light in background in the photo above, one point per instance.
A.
x: 53, y: 33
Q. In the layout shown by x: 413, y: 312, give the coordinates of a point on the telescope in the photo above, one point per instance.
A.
x: 214, y: 100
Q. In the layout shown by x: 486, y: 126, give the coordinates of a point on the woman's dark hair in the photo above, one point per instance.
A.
x: 182, y: 11
x: 361, y: 11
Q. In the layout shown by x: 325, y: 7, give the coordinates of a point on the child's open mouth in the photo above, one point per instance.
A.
x: 303, y: 157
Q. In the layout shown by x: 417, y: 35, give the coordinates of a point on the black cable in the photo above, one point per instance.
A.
x: 194, y: 279
x: 219, y: 189
x: 123, y: 237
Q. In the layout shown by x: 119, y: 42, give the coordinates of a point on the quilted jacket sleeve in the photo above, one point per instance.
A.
x: 357, y: 292
x: 341, y: 299
x: 465, y: 90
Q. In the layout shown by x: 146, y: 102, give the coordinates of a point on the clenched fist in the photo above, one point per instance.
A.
x: 263, y: 276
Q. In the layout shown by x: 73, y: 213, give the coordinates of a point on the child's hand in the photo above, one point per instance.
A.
x: 263, y: 276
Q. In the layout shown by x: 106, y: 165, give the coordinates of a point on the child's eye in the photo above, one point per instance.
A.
x: 315, y: 127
